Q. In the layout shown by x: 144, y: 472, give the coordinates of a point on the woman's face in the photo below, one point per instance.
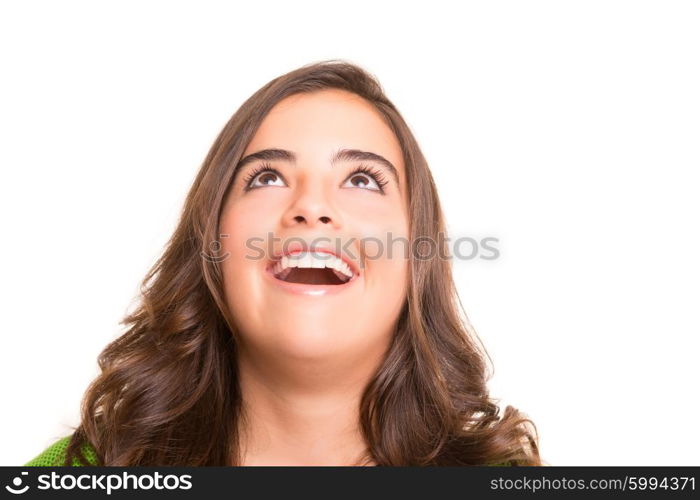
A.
x: 309, y: 199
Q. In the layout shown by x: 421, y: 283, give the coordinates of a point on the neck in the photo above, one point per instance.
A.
x: 302, y: 412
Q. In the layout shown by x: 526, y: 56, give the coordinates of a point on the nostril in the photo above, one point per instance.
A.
x: 325, y: 219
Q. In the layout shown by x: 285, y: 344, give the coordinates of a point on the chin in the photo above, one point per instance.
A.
x: 312, y: 342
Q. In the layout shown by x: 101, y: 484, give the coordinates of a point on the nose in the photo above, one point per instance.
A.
x: 311, y: 207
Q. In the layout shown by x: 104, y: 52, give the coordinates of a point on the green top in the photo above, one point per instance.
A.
x: 54, y: 455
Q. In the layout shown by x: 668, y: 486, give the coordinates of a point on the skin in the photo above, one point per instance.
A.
x: 305, y: 361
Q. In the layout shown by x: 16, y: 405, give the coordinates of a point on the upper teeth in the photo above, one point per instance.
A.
x: 313, y: 259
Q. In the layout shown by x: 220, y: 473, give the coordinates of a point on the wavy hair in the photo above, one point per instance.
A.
x: 168, y: 392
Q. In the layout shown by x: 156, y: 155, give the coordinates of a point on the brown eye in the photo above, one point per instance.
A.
x: 265, y: 178
x: 364, y: 181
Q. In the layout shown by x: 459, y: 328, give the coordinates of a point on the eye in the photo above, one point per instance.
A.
x: 263, y: 176
x: 266, y: 178
x: 367, y: 177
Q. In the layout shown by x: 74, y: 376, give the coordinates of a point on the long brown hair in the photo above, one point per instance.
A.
x: 168, y: 391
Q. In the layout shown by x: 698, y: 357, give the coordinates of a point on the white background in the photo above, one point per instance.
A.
x: 568, y: 130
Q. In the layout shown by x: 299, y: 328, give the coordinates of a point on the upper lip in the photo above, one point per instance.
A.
x: 295, y: 246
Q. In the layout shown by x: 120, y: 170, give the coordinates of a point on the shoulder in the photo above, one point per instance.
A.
x: 55, y: 454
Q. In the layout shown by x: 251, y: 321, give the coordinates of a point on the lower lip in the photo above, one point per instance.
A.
x: 310, y: 290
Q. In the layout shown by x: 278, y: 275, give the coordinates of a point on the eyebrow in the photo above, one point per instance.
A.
x: 340, y: 155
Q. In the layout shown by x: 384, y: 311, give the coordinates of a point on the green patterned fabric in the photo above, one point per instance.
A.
x: 54, y: 455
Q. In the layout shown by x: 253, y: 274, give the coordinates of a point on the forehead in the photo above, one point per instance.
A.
x: 319, y: 123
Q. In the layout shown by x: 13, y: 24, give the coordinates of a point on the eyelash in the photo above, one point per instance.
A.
x: 373, y: 173
x: 362, y: 169
x: 258, y: 170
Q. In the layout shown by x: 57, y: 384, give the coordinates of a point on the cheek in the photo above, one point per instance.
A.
x: 375, y: 213
x: 371, y: 206
x: 384, y: 241
x: 375, y: 317
x: 387, y: 278
x: 244, y: 232
x: 385, y: 250
x: 243, y: 236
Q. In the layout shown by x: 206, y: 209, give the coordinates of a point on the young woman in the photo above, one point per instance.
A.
x: 280, y: 328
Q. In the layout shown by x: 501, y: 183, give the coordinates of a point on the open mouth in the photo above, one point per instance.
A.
x: 312, y: 269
